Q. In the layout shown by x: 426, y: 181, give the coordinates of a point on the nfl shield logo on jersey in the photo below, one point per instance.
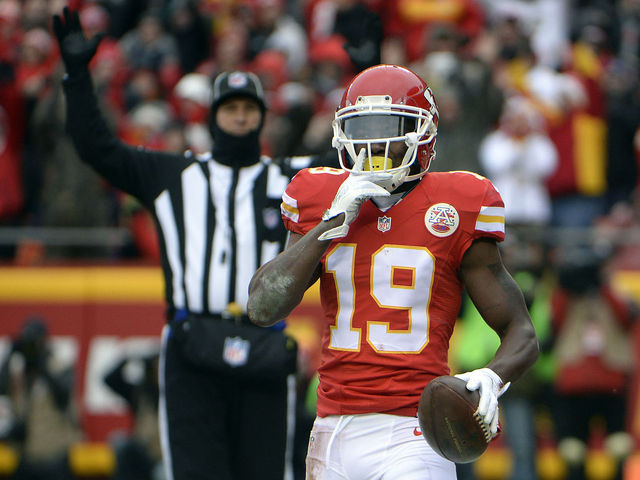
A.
x: 271, y: 218
x: 442, y: 219
x: 236, y: 351
x: 384, y: 224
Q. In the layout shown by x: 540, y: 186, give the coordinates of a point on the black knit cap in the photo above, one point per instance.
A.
x: 237, y: 84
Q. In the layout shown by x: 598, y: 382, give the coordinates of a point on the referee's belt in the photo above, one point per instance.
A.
x: 232, y: 314
x: 182, y: 314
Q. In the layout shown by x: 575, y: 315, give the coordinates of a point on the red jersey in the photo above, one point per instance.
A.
x: 390, y: 289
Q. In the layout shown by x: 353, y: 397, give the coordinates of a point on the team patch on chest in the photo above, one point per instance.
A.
x: 442, y: 219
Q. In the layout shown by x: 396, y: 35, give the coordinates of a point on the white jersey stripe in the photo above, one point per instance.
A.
x: 490, y: 219
x: 269, y: 250
x: 276, y: 182
x: 289, y: 208
x: 492, y: 211
x: 167, y: 222
x: 490, y: 227
x: 194, y: 198
x: 246, y: 261
x: 220, y: 183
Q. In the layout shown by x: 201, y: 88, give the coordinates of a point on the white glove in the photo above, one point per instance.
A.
x: 491, y: 388
x: 354, y: 191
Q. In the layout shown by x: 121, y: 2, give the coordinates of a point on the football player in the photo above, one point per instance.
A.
x: 393, y: 246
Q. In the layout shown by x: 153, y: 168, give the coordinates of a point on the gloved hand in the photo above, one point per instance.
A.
x: 76, y: 50
x: 491, y: 388
x: 354, y: 191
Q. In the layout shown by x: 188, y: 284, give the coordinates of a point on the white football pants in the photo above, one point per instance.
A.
x: 373, y: 447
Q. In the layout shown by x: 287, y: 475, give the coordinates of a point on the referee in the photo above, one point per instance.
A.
x: 217, y: 219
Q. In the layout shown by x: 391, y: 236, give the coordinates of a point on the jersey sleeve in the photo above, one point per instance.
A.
x: 486, y: 211
x: 307, y: 196
x: 490, y: 219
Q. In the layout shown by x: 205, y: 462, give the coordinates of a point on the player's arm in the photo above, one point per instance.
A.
x: 279, y: 285
x: 501, y: 304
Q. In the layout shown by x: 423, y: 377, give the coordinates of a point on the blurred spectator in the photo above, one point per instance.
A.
x: 629, y: 17
x: 151, y: 48
x: 37, y: 60
x: 146, y: 123
x: 271, y: 27
x: 109, y: 66
x: 143, y: 235
x: 175, y: 139
x: 593, y: 351
x: 345, y: 38
x: 34, y: 14
x: 142, y: 87
x: 330, y: 65
x: 12, y: 131
x: 51, y: 187
x: 545, y: 22
x: 124, y: 15
x: 271, y: 67
x: 392, y: 51
x: 329, y: 70
x: 467, y: 101
x: 33, y: 79
x: 579, y: 185
x: 518, y: 156
x: 190, y: 31
x: 135, y: 379
x: 229, y: 50
x: 619, y: 231
x: 64, y: 181
x: 572, y: 104
x: 354, y: 23
x: 192, y: 99
x: 290, y: 104
x: 413, y: 19
x: 622, y: 119
x: 39, y: 388
x: 502, y: 41
x: 10, y: 31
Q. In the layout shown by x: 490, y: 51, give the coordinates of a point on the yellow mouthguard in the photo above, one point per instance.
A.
x: 377, y: 164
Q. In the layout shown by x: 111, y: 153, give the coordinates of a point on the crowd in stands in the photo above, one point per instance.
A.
x: 540, y: 96
x: 515, y: 80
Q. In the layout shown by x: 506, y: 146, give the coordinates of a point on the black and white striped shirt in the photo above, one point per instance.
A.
x: 239, y: 210
x: 216, y: 224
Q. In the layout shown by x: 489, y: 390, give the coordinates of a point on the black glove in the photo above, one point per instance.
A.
x: 76, y: 50
x: 364, y: 44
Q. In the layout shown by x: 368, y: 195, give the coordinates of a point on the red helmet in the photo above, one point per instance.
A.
x: 381, y: 105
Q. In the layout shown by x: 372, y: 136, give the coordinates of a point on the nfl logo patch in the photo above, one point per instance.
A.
x: 271, y: 218
x: 236, y: 351
x: 384, y: 224
x: 237, y: 80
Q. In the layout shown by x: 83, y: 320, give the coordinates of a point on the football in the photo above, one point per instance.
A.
x: 446, y: 414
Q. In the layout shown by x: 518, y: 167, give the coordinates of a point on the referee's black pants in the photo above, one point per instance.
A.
x: 217, y: 427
